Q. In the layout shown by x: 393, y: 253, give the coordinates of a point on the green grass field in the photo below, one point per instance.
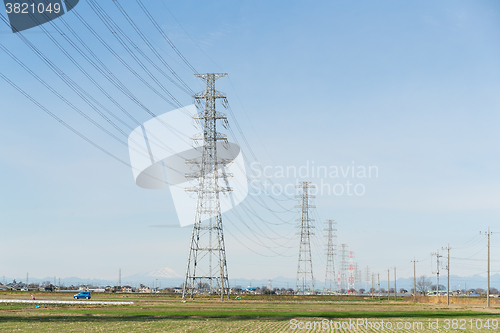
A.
x: 164, y: 313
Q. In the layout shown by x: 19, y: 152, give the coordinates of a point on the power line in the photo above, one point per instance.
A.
x: 151, y: 47
x: 157, y: 26
x: 117, y: 32
x: 62, y: 122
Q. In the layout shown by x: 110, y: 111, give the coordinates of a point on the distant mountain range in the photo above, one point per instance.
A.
x: 167, y: 277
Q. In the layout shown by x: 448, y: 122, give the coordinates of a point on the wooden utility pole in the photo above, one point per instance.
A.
x: 414, y: 280
x: 437, y: 274
x: 448, y: 277
x: 488, y: 285
x: 488, y: 233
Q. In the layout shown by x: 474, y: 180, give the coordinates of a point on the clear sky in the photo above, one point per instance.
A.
x: 409, y: 87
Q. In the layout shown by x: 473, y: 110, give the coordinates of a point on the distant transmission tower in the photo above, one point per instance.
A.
x: 304, y: 268
x: 350, y: 282
x: 330, y: 254
x: 367, y: 272
x: 206, y: 266
x: 343, y: 268
x: 357, y: 274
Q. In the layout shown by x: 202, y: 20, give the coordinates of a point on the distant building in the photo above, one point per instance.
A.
x: 127, y: 289
x: 145, y: 289
x: 250, y: 290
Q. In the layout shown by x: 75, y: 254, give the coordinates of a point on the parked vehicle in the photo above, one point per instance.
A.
x: 83, y: 294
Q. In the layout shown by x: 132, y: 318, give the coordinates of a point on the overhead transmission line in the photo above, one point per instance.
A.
x: 148, y: 43
x: 113, y: 78
x: 288, y: 198
x: 86, y: 97
x: 152, y: 48
x: 65, y: 124
x: 117, y: 32
x: 136, y: 28
x: 164, y: 35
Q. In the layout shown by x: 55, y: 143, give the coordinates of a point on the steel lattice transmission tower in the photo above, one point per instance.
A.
x: 206, y: 269
x: 343, y: 268
x: 304, y: 268
x: 350, y: 280
x: 330, y: 255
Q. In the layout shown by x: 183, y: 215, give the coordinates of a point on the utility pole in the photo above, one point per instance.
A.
x: 304, y: 267
x: 437, y: 274
x: 488, y: 233
x: 119, y: 277
x: 330, y: 254
x: 414, y: 280
x: 388, y: 285
x: 206, y: 264
x: 448, y: 276
x: 395, y: 290
x: 488, y: 284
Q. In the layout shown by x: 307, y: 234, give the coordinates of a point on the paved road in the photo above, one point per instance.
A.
x: 75, y: 302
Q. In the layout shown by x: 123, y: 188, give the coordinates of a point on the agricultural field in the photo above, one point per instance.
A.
x: 167, y: 313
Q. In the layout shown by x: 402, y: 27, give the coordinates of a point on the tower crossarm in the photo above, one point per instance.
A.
x: 210, y: 190
x: 218, y: 115
x: 204, y: 94
x: 220, y: 161
x: 217, y: 137
x: 196, y: 175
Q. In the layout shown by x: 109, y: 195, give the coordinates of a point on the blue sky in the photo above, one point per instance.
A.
x: 410, y: 87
